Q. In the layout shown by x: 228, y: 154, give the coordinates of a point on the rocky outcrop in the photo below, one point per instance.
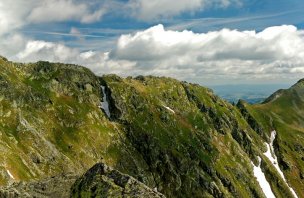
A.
x: 241, y: 105
x: 57, y: 186
x: 99, y: 181
x: 103, y: 181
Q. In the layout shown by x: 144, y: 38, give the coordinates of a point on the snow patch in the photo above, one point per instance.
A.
x: 10, y: 174
x: 258, y: 173
x: 104, y: 104
x: 270, y: 154
x: 169, y: 109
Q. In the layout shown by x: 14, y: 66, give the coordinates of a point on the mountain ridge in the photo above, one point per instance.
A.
x: 175, y: 136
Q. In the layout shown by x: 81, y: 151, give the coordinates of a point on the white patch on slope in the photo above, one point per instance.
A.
x: 168, y: 108
x: 104, y: 103
x: 10, y: 174
x: 270, y: 154
x: 258, y: 173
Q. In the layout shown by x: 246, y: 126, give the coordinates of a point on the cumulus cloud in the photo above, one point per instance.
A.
x: 36, y: 50
x: 15, y: 14
x: 42, y: 50
x: 150, y: 10
x: 226, y: 54
x: 56, y: 10
x: 11, y: 44
x: 11, y: 14
x: 235, y: 54
x: 63, y: 10
x: 200, y: 57
x: 276, y: 52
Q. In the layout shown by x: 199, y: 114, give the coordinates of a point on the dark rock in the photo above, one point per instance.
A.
x: 298, y: 147
x: 103, y: 181
x: 57, y: 186
x: 249, y: 118
x: 284, y: 163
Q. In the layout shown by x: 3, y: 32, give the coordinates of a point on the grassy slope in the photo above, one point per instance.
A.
x: 194, y: 149
x: 50, y: 122
x: 284, y: 112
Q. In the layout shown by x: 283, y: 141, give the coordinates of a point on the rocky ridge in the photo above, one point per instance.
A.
x: 176, y: 137
x: 98, y: 181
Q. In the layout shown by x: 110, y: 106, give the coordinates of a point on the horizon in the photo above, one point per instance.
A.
x: 232, y: 92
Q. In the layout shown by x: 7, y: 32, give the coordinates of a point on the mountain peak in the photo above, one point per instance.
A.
x: 274, y: 96
x: 300, y: 81
x: 3, y: 58
x: 299, y: 84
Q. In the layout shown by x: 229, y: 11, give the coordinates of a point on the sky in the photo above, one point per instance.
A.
x: 210, y: 42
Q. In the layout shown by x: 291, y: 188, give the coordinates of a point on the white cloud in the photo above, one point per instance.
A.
x: 150, y: 10
x: 15, y: 14
x: 157, y: 43
x: 56, y: 10
x: 63, y: 10
x: 98, y: 62
x: 272, y: 54
x: 96, y: 16
x: 11, y: 14
x: 11, y: 44
x: 276, y: 51
x: 42, y: 50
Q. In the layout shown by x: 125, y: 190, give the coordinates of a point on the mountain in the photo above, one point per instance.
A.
x: 283, y: 112
x: 251, y: 93
x: 176, y: 138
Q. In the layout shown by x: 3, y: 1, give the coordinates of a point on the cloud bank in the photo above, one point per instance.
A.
x: 239, y: 54
x: 273, y: 53
x: 228, y: 54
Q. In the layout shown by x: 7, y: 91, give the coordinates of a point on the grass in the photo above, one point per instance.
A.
x: 202, y: 145
x: 285, y: 115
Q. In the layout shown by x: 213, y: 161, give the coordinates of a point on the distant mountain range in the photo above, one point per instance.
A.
x: 65, y: 132
x: 252, y: 93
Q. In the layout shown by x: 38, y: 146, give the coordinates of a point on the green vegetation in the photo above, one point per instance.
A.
x: 174, y: 136
x: 284, y: 112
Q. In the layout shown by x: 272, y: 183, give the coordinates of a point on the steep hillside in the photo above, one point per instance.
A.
x: 51, y: 122
x: 175, y: 137
x: 283, y: 112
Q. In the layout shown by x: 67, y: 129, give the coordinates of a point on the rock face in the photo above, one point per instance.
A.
x: 99, y: 181
x: 103, y: 181
x: 176, y: 137
x: 58, y: 186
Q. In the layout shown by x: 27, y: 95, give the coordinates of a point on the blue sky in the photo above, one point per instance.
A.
x: 251, y: 15
x: 203, y: 41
